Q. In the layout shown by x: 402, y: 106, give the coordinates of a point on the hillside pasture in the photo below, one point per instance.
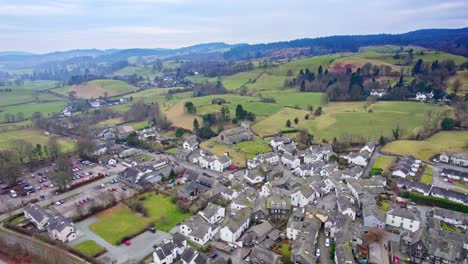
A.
x: 462, y: 76
x: 452, y: 141
x: 141, y: 70
x: 97, y: 88
x: 352, y: 121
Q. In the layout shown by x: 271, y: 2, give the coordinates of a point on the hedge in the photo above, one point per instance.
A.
x: 435, y: 201
x: 289, y: 131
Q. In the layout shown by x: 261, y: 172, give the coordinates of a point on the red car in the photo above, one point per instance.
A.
x: 82, y: 176
x: 127, y: 243
x: 114, y: 189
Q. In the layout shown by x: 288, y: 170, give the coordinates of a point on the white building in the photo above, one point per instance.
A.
x: 190, y: 143
x: 198, y: 230
x: 290, y: 161
x: 406, y: 218
x: 235, y: 227
x: 213, y: 213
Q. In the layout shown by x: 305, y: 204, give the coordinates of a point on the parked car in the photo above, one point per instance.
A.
x: 327, y: 242
x: 13, y: 194
x: 124, y: 188
x: 317, y: 253
x: 127, y: 243
x: 152, y: 230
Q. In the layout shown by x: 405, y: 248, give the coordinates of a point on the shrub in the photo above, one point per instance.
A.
x: 375, y: 171
x: 436, y: 201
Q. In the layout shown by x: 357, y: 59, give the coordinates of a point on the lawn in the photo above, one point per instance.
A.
x: 46, y: 109
x: 160, y: 207
x: 452, y: 141
x: 141, y: 70
x: 449, y: 228
x: 384, y: 206
x: 89, y: 247
x: 352, y: 121
x: 171, y: 150
x: 383, y: 162
x: 8, y: 138
x: 427, y: 176
x: 118, y: 222
x: 285, y: 251
x: 237, y: 152
x: 97, y: 88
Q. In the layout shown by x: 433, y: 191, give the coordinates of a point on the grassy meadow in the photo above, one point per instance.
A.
x: 28, y: 109
x: 8, y: 138
x: 350, y: 119
x: 89, y: 247
x: 118, y: 222
x: 97, y: 88
x: 452, y: 141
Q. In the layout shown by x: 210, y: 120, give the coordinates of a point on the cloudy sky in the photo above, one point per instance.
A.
x: 49, y: 25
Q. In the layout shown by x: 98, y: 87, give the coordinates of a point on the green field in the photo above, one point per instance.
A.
x: 455, y: 141
x: 97, y: 88
x: 383, y: 162
x: 46, y: 109
x: 89, y: 247
x: 141, y: 70
x: 427, y: 176
x: 163, y: 212
x: 118, y: 222
x: 351, y: 120
x: 28, y: 92
x: 239, y: 152
x: 7, y: 139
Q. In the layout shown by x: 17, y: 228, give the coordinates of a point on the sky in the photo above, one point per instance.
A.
x: 41, y: 26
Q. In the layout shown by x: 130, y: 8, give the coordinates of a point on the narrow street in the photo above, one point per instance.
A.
x: 324, y: 251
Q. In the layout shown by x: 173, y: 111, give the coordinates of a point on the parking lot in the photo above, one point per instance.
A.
x: 38, y: 183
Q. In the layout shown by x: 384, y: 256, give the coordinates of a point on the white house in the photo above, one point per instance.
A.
x: 304, y: 170
x: 235, y: 227
x: 198, y: 230
x: 266, y: 190
x: 356, y: 158
x: 378, y: 92
x: 61, y: 228
x: 190, y: 143
x: 253, y: 177
x: 213, y: 213
x: 38, y: 216
x: 290, y: 161
x: 303, y: 196
x: 459, y: 159
x: 279, y: 141
x: 221, y: 164
x: 370, y: 146
x: 451, y: 217
x: 406, y: 218
x: 167, y: 252
x: 345, y: 206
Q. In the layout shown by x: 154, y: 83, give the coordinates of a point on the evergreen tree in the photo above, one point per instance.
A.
x: 196, y: 126
x: 320, y: 71
x: 296, y: 120
x: 288, y: 123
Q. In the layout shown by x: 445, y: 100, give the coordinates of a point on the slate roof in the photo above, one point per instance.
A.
x: 59, y: 223
x: 408, y: 213
x: 457, y: 173
x: 260, y: 255
x: 198, y: 226
x: 210, y: 210
x: 188, y: 254
x: 36, y: 212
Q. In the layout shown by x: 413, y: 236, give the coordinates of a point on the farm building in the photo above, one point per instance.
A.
x: 235, y: 135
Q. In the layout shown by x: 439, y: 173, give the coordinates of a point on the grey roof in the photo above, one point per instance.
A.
x: 224, y: 159
x: 261, y: 229
x: 449, y: 214
x: 240, y: 218
x: 260, y: 255
x: 188, y: 254
x: 447, y: 194
x: 198, y: 226
x: 210, y: 210
x: 288, y: 156
x: 456, y: 155
x: 36, y: 212
x: 192, y: 140
x: 278, y: 201
x: 457, y: 173
x: 234, y: 135
x: 283, y: 139
x: 408, y: 213
x: 59, y: 223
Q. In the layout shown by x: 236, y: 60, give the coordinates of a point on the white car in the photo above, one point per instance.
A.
x: 327, y: 242
x: 13, y: 194
x: 317, y: 253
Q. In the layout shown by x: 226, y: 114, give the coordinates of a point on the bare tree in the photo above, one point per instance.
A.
x: 54, y: 149
x: 23, y: 149
x: 9, y: 167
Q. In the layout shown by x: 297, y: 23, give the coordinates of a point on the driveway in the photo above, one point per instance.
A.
x: 438, y: 180
x: 374, y: 156
x: 140, y: 247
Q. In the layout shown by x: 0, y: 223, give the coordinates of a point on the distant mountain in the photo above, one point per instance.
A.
x: 14, y: 53
x: 449, y: 40
x: 17, y: 60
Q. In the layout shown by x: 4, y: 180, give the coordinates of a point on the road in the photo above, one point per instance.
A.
x: 324, y: 251
x: 374, y: 156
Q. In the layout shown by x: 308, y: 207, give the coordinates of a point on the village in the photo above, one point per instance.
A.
x: 286, y: 205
